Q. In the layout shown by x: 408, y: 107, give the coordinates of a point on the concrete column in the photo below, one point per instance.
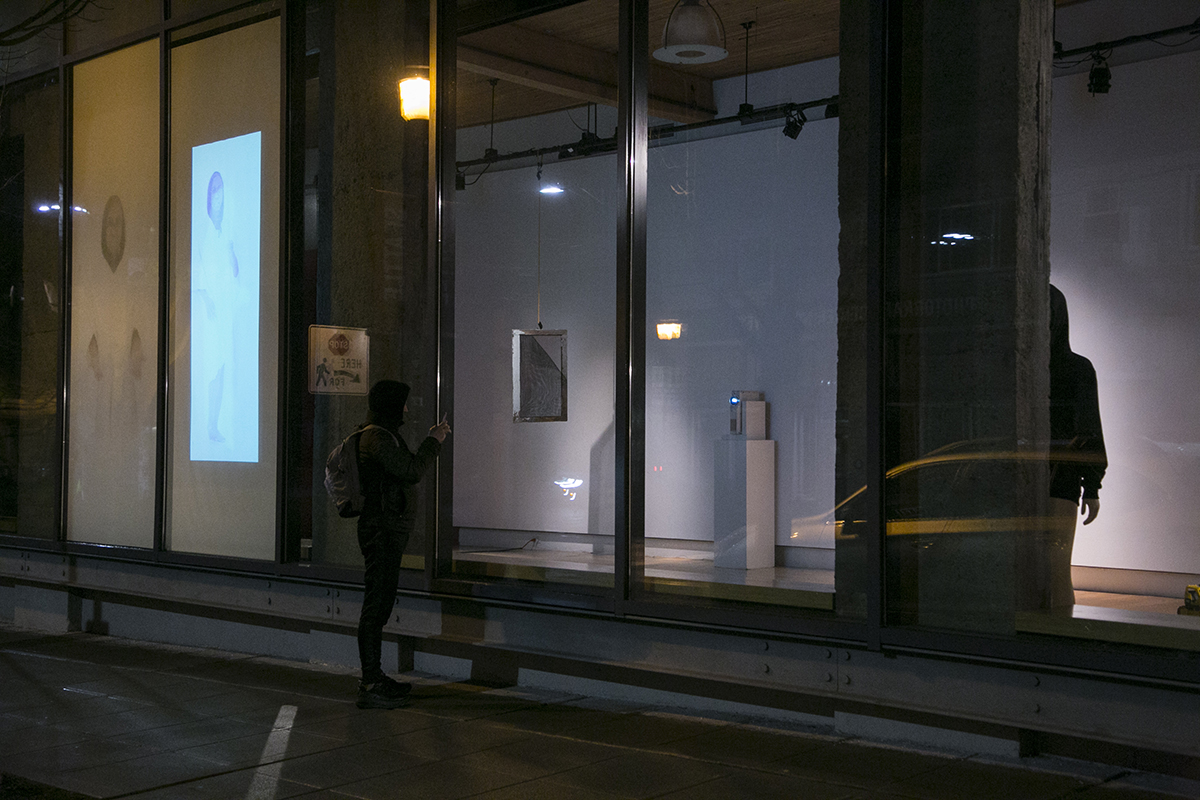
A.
x: 965, y: 302
x: 378, y: 276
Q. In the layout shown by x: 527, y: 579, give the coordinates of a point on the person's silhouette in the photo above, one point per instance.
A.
x: 1077, y: 456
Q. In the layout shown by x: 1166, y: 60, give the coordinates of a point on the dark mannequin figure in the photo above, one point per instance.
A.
x: 1077, y: 456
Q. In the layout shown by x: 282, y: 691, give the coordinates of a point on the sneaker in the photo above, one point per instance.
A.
x: 380, y: 695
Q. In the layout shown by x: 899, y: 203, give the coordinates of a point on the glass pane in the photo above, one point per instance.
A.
x: 223, y: 371
x: 29, y: 42
x: 1041, y: 344
x: 1125, y: 248
x: 742, y: 311
x: 31, y: 311
x: 969, y: 541
x: 366, y: 281
x: 535, y: 271
x: 114, y: 305
x: 103, y: 22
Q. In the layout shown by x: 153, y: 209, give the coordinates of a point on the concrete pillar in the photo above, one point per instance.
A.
x: 377, y: 266
x: 966, y: 325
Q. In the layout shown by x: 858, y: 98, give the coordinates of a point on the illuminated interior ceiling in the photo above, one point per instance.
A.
x: 566, y: 57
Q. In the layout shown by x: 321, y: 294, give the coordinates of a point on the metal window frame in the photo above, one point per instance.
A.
x: 1125, y: 663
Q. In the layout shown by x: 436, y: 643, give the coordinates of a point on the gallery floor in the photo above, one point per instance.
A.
x: 1131, y: 618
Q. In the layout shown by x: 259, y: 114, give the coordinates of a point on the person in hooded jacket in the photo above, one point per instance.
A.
x: 1078, y: 459
x: 388, y: 473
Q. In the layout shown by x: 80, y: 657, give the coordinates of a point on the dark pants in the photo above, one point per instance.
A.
x: 382, y: 550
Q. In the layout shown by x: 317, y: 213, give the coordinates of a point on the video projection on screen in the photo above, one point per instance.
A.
x: 226, y: 192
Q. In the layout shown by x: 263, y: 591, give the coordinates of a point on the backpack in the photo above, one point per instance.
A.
x: 341, y: 475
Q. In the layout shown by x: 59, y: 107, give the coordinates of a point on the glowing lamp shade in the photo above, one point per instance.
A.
x: 414, y: 98
x: 693, y: 35
x: 669, y: 330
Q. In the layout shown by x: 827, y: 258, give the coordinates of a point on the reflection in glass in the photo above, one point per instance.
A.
x: 1011, y: 510
x: 30, y: 309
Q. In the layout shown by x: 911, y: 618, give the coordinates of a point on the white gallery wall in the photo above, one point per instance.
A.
x: 741, y: 250
x: 1125, y: 250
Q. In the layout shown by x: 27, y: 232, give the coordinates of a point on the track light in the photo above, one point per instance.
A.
x: 1100, y: 76
x: 794, y: 124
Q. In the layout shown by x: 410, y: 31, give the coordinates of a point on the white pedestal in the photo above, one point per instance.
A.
x: 744, y: 503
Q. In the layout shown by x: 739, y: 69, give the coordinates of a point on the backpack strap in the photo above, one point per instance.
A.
x: 364, y: 428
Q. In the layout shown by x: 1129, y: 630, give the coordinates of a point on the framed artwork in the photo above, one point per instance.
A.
x: 539, y: 360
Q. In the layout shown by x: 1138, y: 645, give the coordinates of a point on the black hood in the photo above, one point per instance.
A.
x: 385, y: 403
x: 1060, y: 333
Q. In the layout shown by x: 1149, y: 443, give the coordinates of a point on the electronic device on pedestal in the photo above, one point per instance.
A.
x: 744, y: 487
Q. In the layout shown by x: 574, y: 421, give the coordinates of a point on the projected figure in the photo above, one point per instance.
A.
x: 226, y: 219
x: 1077, y: 456
x: 217, y: 287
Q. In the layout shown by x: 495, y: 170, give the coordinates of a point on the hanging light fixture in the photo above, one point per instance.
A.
x: 693, y: 34
x: 414, y: 93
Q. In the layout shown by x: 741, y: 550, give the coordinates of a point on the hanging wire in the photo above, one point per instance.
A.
x: 748, y: 24
x: 492, y: 124
x: 1154, y: 38
x: 576, y: 124
x: 539, y: 244
x: 478, y: 175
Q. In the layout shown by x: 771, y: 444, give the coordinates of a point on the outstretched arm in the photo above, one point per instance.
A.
x: 395, y: 457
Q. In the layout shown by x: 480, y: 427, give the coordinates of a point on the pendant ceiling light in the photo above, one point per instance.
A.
x: 693, y: 34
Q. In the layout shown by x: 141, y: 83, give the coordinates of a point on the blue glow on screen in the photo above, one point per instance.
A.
x: 226, y: 196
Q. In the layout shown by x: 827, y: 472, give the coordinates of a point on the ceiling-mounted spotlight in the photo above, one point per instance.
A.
x: 693, y: 34
x: 794, y: 123
x: 1100, y: 76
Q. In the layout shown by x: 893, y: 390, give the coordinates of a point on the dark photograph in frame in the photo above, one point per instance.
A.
x: 539, y: 360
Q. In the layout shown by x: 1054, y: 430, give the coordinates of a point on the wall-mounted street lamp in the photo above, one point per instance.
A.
x: 414, y: 94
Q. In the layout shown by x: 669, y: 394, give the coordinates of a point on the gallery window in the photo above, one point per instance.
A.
x: 31, y: 311
x: 1040, y: 332
x: 537, y: 196
x: 742, y: 314
x: 113, y: 386
x: 222, y: 366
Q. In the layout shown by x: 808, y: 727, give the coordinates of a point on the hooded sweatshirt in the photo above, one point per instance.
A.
x: 1077, y: 456
x: 387, y: 469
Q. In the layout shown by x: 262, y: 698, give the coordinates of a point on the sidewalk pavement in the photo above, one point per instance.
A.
x: 94, y: 716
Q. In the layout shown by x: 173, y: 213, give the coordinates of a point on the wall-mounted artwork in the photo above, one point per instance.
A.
x: 539, y: 361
